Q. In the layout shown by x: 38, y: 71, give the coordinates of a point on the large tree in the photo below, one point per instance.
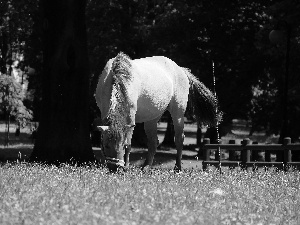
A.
x: 63, y: 133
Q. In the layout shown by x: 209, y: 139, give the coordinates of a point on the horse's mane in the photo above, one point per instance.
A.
x: 121, y: 68
x: 119, y: 102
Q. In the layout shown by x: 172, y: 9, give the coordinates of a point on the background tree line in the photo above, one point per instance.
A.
x: 249, y: 69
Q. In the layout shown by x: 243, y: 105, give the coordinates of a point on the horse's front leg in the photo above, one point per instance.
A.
x: 129, y: 133
x: 128, y: 144
x: 151, y: 132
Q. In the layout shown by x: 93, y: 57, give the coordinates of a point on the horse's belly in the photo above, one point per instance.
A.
x: 151, y: 106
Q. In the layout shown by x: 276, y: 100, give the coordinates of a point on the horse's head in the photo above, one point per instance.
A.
x: 113, y: 145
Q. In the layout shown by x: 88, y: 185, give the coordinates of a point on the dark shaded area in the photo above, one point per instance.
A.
x: 15, y: 154
x: 161, y: 157
x: 139, y: 137
x: 21, y: 139
x: 137, y: 156
x: 169, y: 139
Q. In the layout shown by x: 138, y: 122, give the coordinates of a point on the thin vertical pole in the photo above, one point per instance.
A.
x: 217, y: 125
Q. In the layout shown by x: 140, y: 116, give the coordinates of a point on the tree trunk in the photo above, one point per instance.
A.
x: 4, y: 47
x: 63, y: 133
x: 7, y: 133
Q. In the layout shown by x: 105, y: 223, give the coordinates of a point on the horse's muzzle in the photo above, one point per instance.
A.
x: 114, y: 164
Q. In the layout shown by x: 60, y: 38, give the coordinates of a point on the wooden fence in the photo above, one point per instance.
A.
x: 249, y: 154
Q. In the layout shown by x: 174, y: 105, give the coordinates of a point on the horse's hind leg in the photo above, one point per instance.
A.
x: 178, y: 121
x: 151, y: 132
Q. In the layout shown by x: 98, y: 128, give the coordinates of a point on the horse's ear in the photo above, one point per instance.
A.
x: 103, y: 128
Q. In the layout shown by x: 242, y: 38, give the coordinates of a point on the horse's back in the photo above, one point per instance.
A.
x: 158, y: 71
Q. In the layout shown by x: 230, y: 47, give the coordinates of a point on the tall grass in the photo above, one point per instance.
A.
x: 39, y: 194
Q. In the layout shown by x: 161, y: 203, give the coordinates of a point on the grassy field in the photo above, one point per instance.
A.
x: 37, y: 194
x: 40, y: 194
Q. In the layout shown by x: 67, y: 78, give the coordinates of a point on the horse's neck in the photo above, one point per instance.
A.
x: 119, y: 111
x: 119, y: 102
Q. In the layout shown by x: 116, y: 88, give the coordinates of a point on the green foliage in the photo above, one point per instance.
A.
x: 11, y: 99
x: 263, y: 105
x: 20, y: 40
x: 284, y: 16
x: 16, y: 25
x: 37, y: 194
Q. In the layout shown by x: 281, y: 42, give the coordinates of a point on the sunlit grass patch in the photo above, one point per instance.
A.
x: 34, y: 193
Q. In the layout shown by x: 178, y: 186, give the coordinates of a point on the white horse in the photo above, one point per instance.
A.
x: 140, y: 90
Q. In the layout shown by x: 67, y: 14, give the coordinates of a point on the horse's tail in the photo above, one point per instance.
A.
x: 202, y: 102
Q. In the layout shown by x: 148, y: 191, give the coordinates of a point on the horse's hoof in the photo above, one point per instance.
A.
x: 146, y: 168
x: 177, y: 169
x: 113, y: 167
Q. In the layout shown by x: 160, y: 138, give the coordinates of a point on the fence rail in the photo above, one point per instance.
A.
x: 249, y: 154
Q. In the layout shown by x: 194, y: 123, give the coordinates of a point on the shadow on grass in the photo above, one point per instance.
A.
x: 161, y: 157
x: 23, y: 138
x: 15, y: 153
x: 19, y: 148
x: 22, y: 153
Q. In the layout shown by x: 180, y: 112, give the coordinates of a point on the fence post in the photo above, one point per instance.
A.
x: 245, y: 153
x: 267, y: 156
x: 255, y: 152
x: 287, y: 153
x: 232, y: 154
x: 206, y: 152
x: 255, y: 156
